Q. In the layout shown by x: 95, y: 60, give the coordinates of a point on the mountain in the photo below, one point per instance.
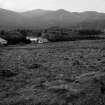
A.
x: 10, y: 19
x: 35, y: 13
x: 46, y: 18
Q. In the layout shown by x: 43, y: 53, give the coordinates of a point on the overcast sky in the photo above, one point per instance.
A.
x: 71, y: 5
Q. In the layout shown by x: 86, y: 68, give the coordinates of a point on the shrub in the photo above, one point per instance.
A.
x: 60, y: 36
x: 13, y: 37
x: 89, y: 34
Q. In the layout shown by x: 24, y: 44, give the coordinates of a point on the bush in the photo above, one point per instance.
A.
x: 60, y: 36
x: 68, y: 35
x: 89, y: 34
x: 14, y: 37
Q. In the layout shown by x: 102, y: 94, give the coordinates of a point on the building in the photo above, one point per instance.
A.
x: 37, y: 39
x: 3, y: 41
x: 32, y: 39
x: 42, y: 40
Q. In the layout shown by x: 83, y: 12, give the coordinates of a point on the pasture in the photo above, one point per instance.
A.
x: 53, y: 73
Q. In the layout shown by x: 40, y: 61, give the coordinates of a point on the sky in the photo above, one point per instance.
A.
x: 70, y: 5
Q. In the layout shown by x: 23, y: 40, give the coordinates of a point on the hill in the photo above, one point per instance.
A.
x: 46, y: 18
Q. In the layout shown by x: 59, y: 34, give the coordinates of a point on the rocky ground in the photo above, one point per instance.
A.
x: 66, y: 73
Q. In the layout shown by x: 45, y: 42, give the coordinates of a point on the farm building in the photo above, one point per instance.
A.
x: 3, y: 41
x: 32, y: 39
x: 42, y: 40
x: 37, y: 39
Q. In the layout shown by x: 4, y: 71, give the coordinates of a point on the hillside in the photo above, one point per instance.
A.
x: 45, y: 18
x: 10, y: 19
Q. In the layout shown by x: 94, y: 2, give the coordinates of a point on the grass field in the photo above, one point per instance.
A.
x: 63, y: 73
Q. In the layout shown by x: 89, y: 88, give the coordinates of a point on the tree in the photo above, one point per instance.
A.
x: 14, y: 37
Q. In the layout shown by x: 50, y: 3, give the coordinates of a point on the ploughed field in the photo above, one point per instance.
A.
x: 63, y: 73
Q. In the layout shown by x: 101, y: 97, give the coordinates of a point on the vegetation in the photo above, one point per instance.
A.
x: 89, y: 33
x: 68, y: 35
x: 60, y: 36
x: 53, y: 34
x: 64, y: 73
x: 14, y: 37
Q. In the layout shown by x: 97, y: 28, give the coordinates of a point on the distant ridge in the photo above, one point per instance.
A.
x: 39, y: 18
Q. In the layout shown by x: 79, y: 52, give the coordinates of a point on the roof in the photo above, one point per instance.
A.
x: 32, y: 38
x: 3, y: 40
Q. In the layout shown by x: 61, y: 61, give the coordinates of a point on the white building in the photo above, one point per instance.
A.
x: 32, y: 39
x: 37, y: 39
x: 42, y: 40
x: 3, y: 41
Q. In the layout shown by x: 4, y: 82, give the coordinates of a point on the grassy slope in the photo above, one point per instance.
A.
x: 66, y: 73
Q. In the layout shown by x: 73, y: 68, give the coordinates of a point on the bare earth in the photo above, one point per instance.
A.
x: 63, y: 73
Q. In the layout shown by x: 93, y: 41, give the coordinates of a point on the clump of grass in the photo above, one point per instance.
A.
x: 34, y: 66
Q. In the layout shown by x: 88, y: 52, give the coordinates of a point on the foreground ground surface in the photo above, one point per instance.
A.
x: 66, y: 73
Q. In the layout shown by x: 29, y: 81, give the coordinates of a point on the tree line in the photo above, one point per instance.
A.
x: 20, y: 35
x: 68, y: 35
